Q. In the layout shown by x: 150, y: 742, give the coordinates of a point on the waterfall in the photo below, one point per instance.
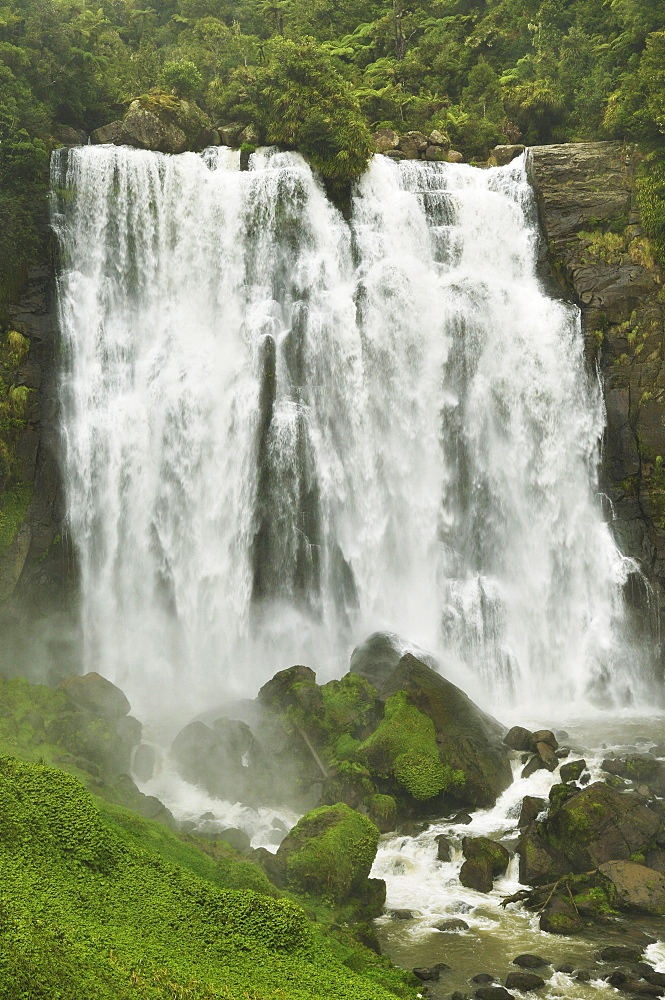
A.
x: 284, y: 430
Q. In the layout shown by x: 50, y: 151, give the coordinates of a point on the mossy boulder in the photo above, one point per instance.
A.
x: 595, y: 825
x: 485, y: 860
x: 329, y: 853
x: 642, y: 768
x: 468, y: 740
x: 404, y: 747
x: 637, y: 888
x: 212, y: 757
x: 160, y: 121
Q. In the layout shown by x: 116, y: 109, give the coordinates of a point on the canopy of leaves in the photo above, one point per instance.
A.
x: 320, y: 75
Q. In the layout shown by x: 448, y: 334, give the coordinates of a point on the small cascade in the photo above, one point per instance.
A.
x: 283, y: 431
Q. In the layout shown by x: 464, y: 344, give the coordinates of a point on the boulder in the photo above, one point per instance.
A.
x: 443, y: 852
x: 547, y: 755
x: 501, y: 155
x: 467, y: 738
x: 641, y: 768
x: 594, y: 825
x: 438, y: 138
x: 230, y: 133
x: 144, y: 129
x: 95, y: 694
x: 535, y: 764
x: 477, y: 874
x: 519, y: 738
x: 212, y: 757
x: 329, y: 853
x: 435, y: 153
x: 454, y: 156
x: 237, y: 839
x: 110, y: 133
x: 482, y: 847
x: 494, y: 993
x: 560, y: 917
x: 524, y: 981
x: 572, y: 771
x: 294, y: 687
x: 530, y: 962
x: 385, y: 139
x: 619, y: 953
x: 544, y: 736
x: 453, y: 925
x: 485, y: 859
x: 639, y: 889
x: 532, y: 805
x: 412, y: 144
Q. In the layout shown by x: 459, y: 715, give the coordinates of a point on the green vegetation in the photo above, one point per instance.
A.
x: 321, y: 75
x: 330, y: 852
x: 404, y: 745
x: 97, y: 902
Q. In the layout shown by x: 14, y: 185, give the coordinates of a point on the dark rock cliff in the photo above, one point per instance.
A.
x: 36, y: 583
x: 599, y: 257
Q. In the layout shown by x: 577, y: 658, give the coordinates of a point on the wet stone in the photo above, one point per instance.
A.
x: 402, y: 914
x: 583, y: 976
x: 452, y: 925
x: 482, y: 977
x: 494, y: 993
x: 620, y: 953
x: 518, y: 738
x: 442, y: 848
x: 566, y: 968
x: 572, y: 771
x: 532, y: 962
x: 524, y: 981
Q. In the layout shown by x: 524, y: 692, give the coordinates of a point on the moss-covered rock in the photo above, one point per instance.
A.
x: 404, y: 746
x: 329, y: 853
x: 582, y: 831
x: 485, y: 860
x: 468, y: 740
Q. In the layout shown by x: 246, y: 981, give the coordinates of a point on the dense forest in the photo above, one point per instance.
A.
x: 321, y: 75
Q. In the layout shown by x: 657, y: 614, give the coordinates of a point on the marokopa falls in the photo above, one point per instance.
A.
x: 285, y: 430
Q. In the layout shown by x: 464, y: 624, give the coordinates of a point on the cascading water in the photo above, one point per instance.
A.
x: 284, y: 431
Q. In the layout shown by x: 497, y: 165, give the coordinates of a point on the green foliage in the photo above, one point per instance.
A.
x: 183, y: 76
x: 651, y: 201
x: 404, y: 746
x: 14, y: 506
x: 94, y: 904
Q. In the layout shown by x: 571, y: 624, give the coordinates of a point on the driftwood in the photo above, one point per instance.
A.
x: 534, y: 897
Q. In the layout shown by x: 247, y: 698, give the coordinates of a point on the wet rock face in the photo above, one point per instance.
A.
x: 598, y: 256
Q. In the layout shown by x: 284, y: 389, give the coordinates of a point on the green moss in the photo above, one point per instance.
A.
x: 404, y: 746
x: 382, y: 807
x: 13, y: 511
x: 330, y: 852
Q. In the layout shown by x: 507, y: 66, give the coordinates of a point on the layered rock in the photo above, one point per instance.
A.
x: 600, y: 258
